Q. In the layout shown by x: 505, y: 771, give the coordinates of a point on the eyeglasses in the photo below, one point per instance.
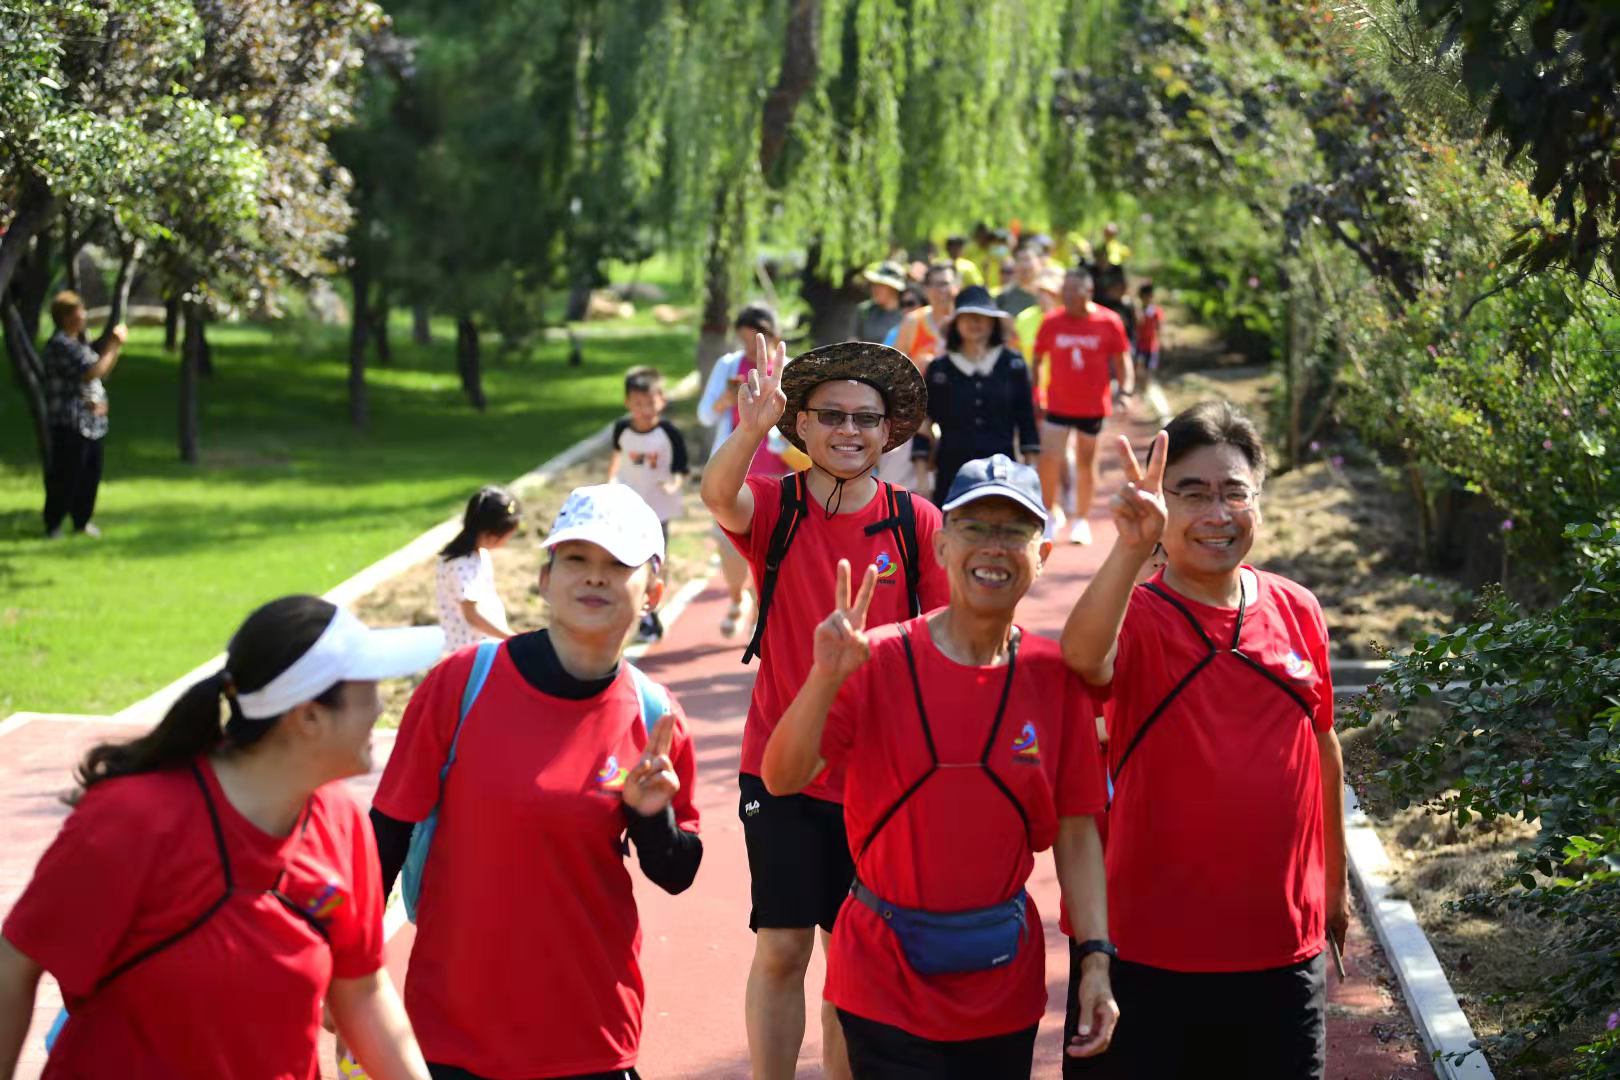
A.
x: 985, y: 534
x: 834, y: 418
x: 1200, y: 500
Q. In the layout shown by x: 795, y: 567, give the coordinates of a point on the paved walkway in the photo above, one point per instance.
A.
x: 697, y: 946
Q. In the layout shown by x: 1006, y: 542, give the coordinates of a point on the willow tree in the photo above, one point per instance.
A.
x: 847, y: 125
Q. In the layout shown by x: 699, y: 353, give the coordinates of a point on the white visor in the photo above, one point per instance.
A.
x: 346, y: 651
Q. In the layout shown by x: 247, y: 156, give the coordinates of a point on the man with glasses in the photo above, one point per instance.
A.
x: 969, y: 747
x: 1226, y: 845
x: 843, y: 405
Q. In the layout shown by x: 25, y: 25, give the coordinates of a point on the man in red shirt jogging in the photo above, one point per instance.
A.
x: 1226, y: 848
x: 843, y: 405
x: 968, y: 747
x: 1085, y: 345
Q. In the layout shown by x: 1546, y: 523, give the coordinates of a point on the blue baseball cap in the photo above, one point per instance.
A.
x: 997, y: 476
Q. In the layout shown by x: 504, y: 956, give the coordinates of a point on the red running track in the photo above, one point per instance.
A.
x: 697, y: 947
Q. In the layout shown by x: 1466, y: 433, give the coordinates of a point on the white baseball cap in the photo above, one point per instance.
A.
x: 346, y: 651
x: 614, y: 518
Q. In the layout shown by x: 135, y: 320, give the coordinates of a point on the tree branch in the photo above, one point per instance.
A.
x: 801, y: 61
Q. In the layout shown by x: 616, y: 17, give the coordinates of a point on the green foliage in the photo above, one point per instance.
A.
x: 1529, y: 726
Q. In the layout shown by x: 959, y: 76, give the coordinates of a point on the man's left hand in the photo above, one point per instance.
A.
x: 1338, y: 911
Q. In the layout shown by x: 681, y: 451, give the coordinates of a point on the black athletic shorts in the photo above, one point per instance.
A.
x: 884, y: 1052
x: 798, y: 857
x: 1090, y: 425
x: 451, y: 1072
x: 1260, y: 1025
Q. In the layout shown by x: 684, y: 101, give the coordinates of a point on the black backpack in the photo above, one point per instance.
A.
x: 901, y: 520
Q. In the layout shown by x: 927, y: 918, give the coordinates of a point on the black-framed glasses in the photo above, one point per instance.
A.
x: 834, y: 418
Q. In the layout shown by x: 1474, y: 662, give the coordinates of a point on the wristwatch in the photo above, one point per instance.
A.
x: 1086, y: 948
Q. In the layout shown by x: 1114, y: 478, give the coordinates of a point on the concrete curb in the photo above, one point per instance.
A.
x: 151, y: 708
x: 1429, y: 997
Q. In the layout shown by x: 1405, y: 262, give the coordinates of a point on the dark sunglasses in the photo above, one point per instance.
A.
x: 834, y: 418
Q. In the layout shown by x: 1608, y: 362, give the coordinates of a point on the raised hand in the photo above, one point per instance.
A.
x: 652, y: 784
x: 1138, y: 506
x: 760, y: 401
x: 840, y: 640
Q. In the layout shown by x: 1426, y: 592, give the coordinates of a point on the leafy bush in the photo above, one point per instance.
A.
x: 1530, y: 727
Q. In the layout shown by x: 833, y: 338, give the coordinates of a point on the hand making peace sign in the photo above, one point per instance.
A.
x: 760, y: 401
x: 840, y: 642
x: 652, y: 784
x: 1138, y: 506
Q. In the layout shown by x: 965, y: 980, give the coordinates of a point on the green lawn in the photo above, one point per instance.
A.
x: 287, y: 498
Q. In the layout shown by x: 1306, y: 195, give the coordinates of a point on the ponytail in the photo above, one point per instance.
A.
x: 268, y: 643
x: 492, y: 510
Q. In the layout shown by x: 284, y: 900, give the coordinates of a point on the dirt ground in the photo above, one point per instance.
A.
x: 1344, y: 530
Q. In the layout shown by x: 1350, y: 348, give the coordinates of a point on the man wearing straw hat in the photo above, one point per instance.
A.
x: 843, y: 405
x: 877, y: 316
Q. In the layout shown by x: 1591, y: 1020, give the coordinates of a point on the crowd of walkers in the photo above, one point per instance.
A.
x: 909, y: 748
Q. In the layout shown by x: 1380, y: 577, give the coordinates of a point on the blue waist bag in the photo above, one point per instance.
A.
x: 938, y: 943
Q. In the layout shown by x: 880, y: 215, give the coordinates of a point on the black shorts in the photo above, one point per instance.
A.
x: 1090, y: 425
x: 884, y: 1052
x: 1262, y: 1025
x: 798, y: 857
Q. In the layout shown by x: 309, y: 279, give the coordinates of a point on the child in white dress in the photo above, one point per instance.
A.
x: 470, y: 608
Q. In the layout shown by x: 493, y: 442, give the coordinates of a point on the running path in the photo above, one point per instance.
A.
x: 696, y: 947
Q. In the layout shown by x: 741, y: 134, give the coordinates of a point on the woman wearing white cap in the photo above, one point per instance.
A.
x: 214, y: 885
x: 525, y: 962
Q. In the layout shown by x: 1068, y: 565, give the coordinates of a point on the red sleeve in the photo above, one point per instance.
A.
x: 1323, y: 720
x: 1079, y: 788
x: 1043, y: 338
x: 767, y: 508
x: 843, y: 719
x: 83, y: 898
x: 933, y: 584
x: 410, y: 784
x: 684, y: 758
x: 1137, y: 620
x: 358, y: 947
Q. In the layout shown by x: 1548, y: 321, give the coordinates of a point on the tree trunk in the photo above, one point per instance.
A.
x: 359, y: 318
x: 35, y: 207
x: 30, y: 373
x: 579, y: 300
x: 715, y: 324
x: 421, y: 325
x: 467, y: 361
x: 190, y: 368
x: 131, y: 257
x: 379, y: 327
x: 205, y: 351
x: 171, y: 322
x: 833, y: 305
x: 32, y: 282
x: 801, y: 61
x: 70, y: 252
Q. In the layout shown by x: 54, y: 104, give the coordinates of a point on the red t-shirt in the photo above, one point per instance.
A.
x: 527, y: 937
x: 805, y: 587
x: 958, y: 842
x: 1147, y: 328
x: 1079, y: 352
x: 1215, y: 858
x: 241, y: 995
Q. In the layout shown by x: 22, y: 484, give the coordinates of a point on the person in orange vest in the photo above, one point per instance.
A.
x: 921, y: 335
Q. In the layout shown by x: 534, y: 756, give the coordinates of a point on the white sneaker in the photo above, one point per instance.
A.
x: 1080, y: 531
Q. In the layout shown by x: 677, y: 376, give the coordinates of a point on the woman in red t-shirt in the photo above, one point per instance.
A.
x: 1226, y: 856
x: 213, y: 886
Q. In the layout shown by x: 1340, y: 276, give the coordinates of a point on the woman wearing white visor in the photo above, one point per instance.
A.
x: 214, y: 884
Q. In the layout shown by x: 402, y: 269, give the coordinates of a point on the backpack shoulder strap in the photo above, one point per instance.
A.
x: 652, y: 696
x: 793, y: 509
x: 483, y: 660
x: 906, y: 535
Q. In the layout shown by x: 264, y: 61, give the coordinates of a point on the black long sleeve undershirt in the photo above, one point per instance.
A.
x: 667, y: 854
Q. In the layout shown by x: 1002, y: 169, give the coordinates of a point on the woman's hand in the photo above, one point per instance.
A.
x: 1138, y: 507
x: 652, y: 784
x: 760, y: 401
x: 840, y: 646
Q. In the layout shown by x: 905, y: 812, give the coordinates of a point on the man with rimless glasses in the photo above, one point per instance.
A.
x: 843, y: 405
x: 1225, y: 845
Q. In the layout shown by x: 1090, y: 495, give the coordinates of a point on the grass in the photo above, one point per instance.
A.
x: 287, y: 497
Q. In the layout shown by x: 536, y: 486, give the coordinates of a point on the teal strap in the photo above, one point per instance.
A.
x: 654, y: 701
x: 483, y: 660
